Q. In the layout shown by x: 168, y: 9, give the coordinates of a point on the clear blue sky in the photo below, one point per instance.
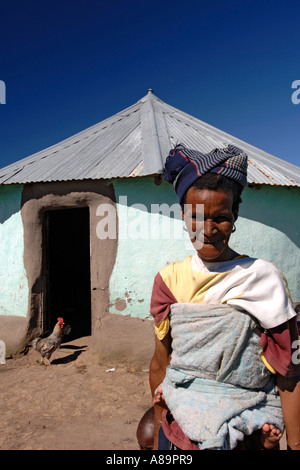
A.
x: 68, y: 64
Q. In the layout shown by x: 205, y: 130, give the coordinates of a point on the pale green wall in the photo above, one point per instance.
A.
x: 268, y: 227
x: 138, y: 260
x: 13, y: 280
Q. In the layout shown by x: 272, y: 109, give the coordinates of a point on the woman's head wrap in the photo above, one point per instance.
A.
x: 184, y: 166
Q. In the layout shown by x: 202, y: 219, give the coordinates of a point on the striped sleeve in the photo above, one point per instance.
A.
x: 161, y: 300
x: 278, y: 346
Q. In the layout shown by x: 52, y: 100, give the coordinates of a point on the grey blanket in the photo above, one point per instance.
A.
x: 217, y: 387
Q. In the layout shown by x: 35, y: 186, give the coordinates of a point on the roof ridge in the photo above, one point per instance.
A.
x: 150, y: 137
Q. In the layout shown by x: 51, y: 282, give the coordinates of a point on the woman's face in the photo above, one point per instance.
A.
x: 211, y: 232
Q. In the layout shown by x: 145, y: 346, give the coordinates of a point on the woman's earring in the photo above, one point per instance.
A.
x: 234, y: 228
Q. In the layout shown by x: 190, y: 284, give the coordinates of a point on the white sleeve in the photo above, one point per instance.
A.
x: 258, y: 288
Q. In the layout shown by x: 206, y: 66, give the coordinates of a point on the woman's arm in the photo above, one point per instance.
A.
x: 289, y: 391
x: 158, y: 367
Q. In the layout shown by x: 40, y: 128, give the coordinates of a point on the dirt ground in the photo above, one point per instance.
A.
x: 80, y: 402
x: 77, y: 403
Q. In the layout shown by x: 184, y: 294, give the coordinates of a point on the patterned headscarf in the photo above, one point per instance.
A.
x: 184, y: 166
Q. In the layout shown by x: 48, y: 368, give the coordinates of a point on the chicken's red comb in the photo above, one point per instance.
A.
x: 60, y: 319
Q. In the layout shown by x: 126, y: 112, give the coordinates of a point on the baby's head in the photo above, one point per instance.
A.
x: 145, y: 430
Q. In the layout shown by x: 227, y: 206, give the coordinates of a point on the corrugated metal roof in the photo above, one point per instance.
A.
x: 136, y: 142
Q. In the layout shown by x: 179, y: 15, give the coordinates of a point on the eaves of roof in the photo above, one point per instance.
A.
x: 135, y: 142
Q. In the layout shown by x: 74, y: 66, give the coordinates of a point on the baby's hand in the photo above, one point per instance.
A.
x: 158, y: 398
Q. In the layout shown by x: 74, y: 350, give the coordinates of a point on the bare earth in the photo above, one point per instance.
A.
x: 77, y: 403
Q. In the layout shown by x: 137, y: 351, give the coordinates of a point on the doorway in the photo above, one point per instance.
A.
x: 68, y: 287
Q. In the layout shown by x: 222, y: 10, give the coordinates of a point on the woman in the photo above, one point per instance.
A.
x: 224, y: 324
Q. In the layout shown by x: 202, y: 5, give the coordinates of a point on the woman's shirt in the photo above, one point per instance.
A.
x: 253, y: 285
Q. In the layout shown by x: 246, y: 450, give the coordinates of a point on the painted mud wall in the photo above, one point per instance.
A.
x: 37, y: 200
x: 13, y: 278
x: 123, y: 269
x: 22, y: 242
x: 268, y: 227
x: 146, y: 243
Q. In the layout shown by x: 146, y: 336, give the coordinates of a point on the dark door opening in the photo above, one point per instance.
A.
x: 68, y: 292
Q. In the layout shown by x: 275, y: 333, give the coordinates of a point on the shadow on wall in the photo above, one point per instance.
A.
x: 10, y: 201
x: 273, y: 206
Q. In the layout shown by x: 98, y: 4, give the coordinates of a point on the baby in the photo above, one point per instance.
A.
x: 145, y: 430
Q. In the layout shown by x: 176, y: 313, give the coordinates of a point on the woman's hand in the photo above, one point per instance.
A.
x: 158, y: 398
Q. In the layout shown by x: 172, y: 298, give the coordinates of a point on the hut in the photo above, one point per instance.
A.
x: 86, y: 224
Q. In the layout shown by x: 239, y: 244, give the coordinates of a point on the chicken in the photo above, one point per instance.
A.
x: 47, y: 346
